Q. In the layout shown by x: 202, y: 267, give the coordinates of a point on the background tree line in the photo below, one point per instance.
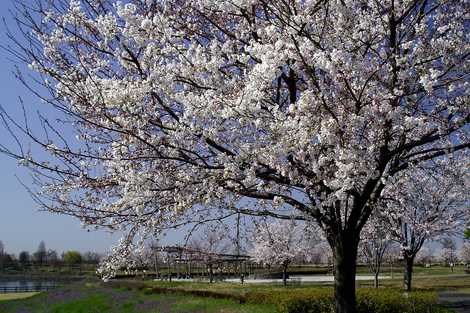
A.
x: 43, y: 256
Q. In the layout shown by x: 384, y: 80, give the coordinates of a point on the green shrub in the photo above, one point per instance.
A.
x: 307, y: 300
x: 394, y: 301
x: 321, y: 300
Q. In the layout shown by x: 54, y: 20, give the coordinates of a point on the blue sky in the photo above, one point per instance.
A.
x: 22, y: 226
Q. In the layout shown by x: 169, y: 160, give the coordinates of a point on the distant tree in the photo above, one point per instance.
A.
x: 40, y: 256
x: 393, y: 256
x: 212, y: 240
x: 155, y: 255
x: 320, y: 254
x: 52, y: 257
x: 327, y: 254
x: 425, y: 204
x: 2, y: 254
x: 375, y: 239
x: 72, y: 257
x: 278, y: 243
x: 91, y: 257
x: 449, y: 252
x: 425, y: 255
x: 24, y: 258
x: 6, y: 260
x: 465, y: 252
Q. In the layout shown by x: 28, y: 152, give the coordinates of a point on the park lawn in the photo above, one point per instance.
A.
x: 397, y: 269
x: 434, y: 278
x: 426, y: 282
x: 16, y: 295
x: 96, y: 297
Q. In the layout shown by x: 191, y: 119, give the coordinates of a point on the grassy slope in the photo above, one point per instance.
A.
x: 93, y: 298
x: 16, y: 295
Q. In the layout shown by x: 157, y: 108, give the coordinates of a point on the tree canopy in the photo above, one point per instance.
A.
x: 288, y: 109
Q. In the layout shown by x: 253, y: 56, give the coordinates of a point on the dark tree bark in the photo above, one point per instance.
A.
x: 409, y: 260
x: 284, y: 274
x: 376, y: 280
x: 345, y: 248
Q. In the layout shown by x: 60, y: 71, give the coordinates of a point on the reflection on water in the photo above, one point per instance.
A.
x: 23, y: 285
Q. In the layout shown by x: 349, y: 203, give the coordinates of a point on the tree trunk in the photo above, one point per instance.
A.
x: 156, y: 267
x: 376, y: 280
x: 408, y: 272
x: 345, y: 257
x: 211, y: 274
x: 169, y: 271
x: 284, y: 275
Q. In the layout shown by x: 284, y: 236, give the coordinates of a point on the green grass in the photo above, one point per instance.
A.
x: 428, y: 282
x: 16, y: 295
x: 96, y: 298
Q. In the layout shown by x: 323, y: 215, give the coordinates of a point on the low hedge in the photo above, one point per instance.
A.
x: 312, y: 300
x: 321, y: 300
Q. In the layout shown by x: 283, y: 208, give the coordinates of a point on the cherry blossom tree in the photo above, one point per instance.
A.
x: 211, y: 241
x: 425, y: 256
x: 392, y: 255
x: 449, y: 252
x: 465, y: 252
x: 375, y: 240
x: 192, y: 110
x: 279, y: 243
x: 427, y: 204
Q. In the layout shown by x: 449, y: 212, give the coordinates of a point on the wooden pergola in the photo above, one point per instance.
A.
x: 188, y: 262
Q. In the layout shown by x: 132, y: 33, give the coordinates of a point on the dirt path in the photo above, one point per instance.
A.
x: 457, y: 301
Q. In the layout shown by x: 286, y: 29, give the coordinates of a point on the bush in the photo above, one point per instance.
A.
x: 72, y: 257
x: 296, y: 301
x: 309, y: 300
x: 321, y: 300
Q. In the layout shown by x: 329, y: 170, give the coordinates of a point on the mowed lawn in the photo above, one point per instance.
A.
x: 127, y: 297
x: 98, y: 298
x: 16, y: 295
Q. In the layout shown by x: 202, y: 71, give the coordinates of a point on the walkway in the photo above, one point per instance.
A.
x: 457, y: 301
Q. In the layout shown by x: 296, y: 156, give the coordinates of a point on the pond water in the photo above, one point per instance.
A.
x: 26, y: 286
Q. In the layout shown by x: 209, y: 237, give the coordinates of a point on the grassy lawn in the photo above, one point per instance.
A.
x: 397, y: 270
x: 17, y: 295
x: 435, y: 282
x: 98, y: 298
x: 434, y: 278
x: 128, y: 297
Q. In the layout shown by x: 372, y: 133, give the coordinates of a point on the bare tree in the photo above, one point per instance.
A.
x: 91, y: 257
